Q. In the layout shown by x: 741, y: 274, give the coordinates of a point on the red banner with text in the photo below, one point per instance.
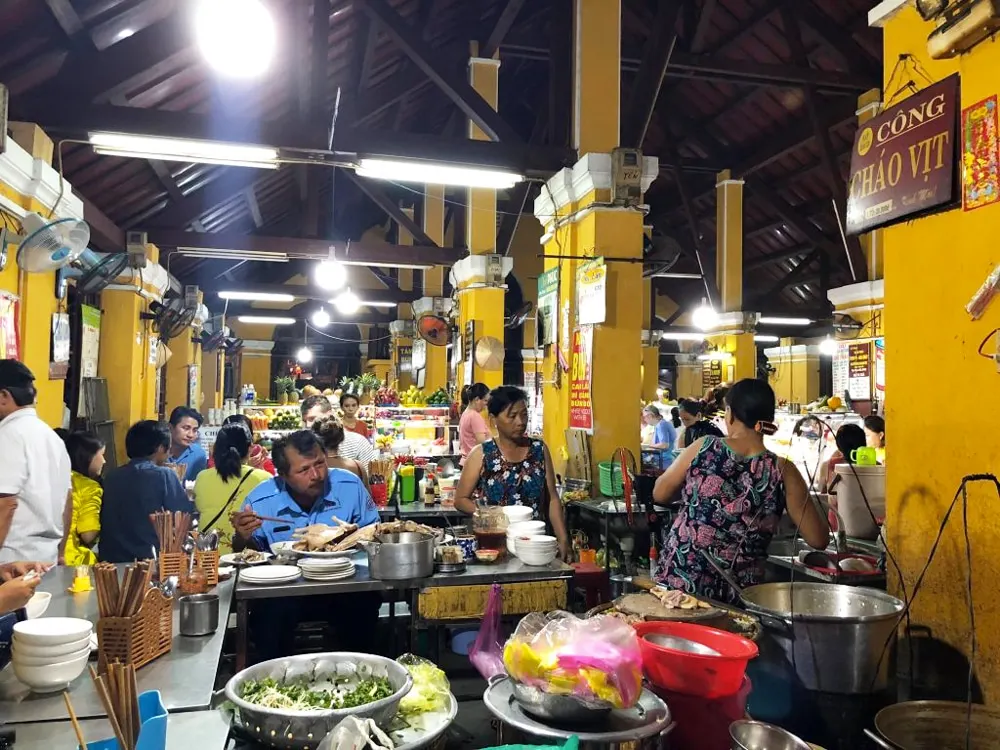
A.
x: 581, y: 405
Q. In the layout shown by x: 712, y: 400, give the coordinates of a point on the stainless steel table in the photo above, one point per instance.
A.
x: 185, y: 676
x: 418, y: 510
x: 204, y: 730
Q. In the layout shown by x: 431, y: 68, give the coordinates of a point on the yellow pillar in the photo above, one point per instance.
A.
x: 213, y: 379
x: 597, y: 76
x: 483, y: 305
x: 436, y: 367
x: 184, y: 364
x: 869, y: 106
x: 255, y: 357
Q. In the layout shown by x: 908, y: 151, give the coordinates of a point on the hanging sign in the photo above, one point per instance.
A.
x: 59, y: 362
x: 581, y: 405
x: 194, y: 390
x: 548, y: 306
x: 591, y: 292
x: 405, y: 355
x: 859, y: 374
x: 711, y: 374
x: 9, y: 312
x: 880, y: 369
x: 841, y: 367
x: 980, y: 155
x: 90, y: 347
x: 468, y: 348
x: 903, y: 163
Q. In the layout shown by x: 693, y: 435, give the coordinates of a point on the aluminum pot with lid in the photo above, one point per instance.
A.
x: 831, y: 636
x: 401, y: 556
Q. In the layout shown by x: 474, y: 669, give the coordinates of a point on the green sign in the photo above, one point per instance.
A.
x: 548, y: 306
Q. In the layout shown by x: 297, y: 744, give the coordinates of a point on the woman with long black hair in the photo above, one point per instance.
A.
x: 86, y: 457
x: 225, y: 486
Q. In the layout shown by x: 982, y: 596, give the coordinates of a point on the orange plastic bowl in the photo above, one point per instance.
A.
x: 707, y: 676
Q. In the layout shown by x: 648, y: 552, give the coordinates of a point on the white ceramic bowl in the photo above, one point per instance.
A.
x: 526, y: 528
x: 58, y: 652
x: 42, y: 661
x: 37, y: 604
x: 516, y: 513
x: 51, y: 677
x: 536, y: 540
x: 537, y: 558
x: 52, y: 631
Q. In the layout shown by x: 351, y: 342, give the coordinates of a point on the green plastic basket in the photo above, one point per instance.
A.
x: 611, y: 479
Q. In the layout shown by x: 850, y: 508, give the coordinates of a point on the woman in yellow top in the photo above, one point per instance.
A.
x: 86, y: 457
x: 222, y: 489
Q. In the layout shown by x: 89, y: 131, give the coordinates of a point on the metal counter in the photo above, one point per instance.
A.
x: 205, y: 730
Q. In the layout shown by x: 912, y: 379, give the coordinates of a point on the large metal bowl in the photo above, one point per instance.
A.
x: 756, y: 735
x: 303, y: 730
x: 562, y: 709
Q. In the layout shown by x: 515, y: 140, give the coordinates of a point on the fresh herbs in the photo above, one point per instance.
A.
x: 301, y: 695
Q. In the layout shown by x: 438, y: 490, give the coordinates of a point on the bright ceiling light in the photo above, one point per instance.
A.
x: 828, y: 347
x: 266, y: 320
x: 257, y: 296
x: 765, y: 339
x: 715, y: 356
x: 785, y: 321
x: 347, y: 302
x: 704, y: 317
x: 183, y: 149
x: 383, y: 305
x: 304, y: 355
x: 669, y: 336
x: 433, y: 173
x: 236, y: 37
x: 321, y: 318
x: 330, y: 274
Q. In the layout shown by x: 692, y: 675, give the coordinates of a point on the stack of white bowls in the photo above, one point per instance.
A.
x: 50, y: 652
x: 524, y: 528
x: 518, y: 513
x: 326, y: 569
x: 536, y: 550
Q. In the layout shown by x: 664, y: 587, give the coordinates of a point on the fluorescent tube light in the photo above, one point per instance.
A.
x: 764, y: 339
x: 435, y: 173
x: 671, y: 275
x: 257, y: 296
x: 785, y: 321
x: 715, y: 356
x: 197, y: 252
x: 384, y: 264
x: 266, y: 320
x: 668, y: 336
x: 384, y: 305
x: 180, y: 149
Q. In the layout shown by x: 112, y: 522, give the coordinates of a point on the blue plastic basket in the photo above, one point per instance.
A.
x: 152, y: 732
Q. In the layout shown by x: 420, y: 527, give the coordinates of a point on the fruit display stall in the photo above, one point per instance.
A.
x: 805, y: 442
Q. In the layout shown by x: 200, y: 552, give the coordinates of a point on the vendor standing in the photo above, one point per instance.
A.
x: 664, y: 435
x: 350, y: 404
x: 304, y: 493
x: 184, y: 446
x: 354, y: 447
x: 692, y: 413
x: 732, y: 492
x: 472, y: 428
x: 512, y: 469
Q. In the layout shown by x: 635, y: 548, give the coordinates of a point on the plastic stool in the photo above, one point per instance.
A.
x: 594, y: 581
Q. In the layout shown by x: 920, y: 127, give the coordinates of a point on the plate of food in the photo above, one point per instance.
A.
x: 246, y: 557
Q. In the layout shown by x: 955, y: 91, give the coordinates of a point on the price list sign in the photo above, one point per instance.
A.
x: 859, y: 371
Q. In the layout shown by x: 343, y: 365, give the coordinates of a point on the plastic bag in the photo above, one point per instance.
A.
x: 353, y: 733
x: 596, y: 660
x: 486, y: 653
x: 431, y: 690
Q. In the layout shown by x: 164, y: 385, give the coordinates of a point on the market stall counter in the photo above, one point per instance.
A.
x: 185, y: 676
x: 205, y: 730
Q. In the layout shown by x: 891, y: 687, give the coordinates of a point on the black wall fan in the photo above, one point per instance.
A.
x: 171, y: 318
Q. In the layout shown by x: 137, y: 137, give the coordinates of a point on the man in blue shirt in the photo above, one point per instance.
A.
x: 133, y: 491
x: 184, y: 446
x: 664, y: 435
x: 306, y: 492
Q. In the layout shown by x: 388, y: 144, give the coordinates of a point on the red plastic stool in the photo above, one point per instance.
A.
x: 594, y: 581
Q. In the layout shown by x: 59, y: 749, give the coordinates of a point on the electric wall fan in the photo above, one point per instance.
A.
x: 97, y: 272
x: 171, y: 317
x: 434, y: 329
x: 51, y: 245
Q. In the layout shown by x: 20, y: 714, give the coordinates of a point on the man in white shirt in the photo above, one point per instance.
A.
x: 354, y: 446
x: 35, y: 503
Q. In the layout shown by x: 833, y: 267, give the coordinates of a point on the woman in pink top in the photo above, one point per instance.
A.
x: 472, y: 428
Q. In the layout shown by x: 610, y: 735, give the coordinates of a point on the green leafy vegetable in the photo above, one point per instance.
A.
x: 300, y: 695
x: 430, y: 692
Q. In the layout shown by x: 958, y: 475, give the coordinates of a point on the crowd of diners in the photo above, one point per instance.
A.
x: 57, y: 504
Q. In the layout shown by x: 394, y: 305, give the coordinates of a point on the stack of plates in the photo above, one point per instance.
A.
x: 270, y: 574
x: 536, y: 550
x: 326, y: 569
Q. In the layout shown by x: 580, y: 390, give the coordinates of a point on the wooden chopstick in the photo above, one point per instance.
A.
x: 109, y: 708
x: 73, y: 720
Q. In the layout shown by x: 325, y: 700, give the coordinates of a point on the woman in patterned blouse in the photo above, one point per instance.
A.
x: 512, y: 468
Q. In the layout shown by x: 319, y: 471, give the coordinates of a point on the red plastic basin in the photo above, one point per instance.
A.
x: 695, y: 674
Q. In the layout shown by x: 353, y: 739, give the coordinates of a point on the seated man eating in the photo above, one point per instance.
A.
x: 305, y: 493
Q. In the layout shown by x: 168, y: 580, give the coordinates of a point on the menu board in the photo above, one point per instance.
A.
x: 592, y: 292
x: 880, y: 369
x: 840, y: 368
x: 859, y: 374
x: 533, y: 387
x: 711, y: 374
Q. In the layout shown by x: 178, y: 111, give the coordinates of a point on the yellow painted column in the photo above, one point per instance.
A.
x: 212, y: 380
x: 688, y: 381
x: 403, y: 379
x: 597, y: 77
x: 38, y: 304
x: 186, y: 355
x: 482, y: 305
x: 436, y: 369
x: 255, y: 357
x: 869, y: 106
x: 650, y: 343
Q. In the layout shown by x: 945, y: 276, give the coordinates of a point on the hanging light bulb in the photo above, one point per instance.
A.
x: 236, y: 37
x: 347, y: 302
x: 321, y: 318
x: 330, y: 274
x: 704, y: 317
x: 304, y: 355
x: 828, y: 347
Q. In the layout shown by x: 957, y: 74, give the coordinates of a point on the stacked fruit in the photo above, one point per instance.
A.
x: 440, y: 397
x: 413, y: 396
x: 285, y: 420
x: 386, y: 396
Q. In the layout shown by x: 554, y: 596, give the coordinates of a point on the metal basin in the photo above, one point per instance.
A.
x: 680, y: 644
x: 756, y: 735
x: 937, y: 725
x: 834, y: 638
x: 562, y: 709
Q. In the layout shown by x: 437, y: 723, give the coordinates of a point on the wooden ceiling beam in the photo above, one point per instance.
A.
x: 700, y: 36
x: 454, y: 86
x: 645, y: 89
x: 835, y: 37
x: 505, y: 21
x: 792, y: 278
x: 392, y: 210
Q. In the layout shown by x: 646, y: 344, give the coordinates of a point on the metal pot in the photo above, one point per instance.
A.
x: 199, y: 614
x: 936, y: 725
x: 403, y: 556
x: 562, y: 709
x: 756, y: 735
x: 834, y: 638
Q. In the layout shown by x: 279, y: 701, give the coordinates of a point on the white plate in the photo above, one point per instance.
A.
x: 320, y: 555
x: 271, y: 574
x: 334, y: 564
x: 235, y: 558
x: 337, y: 577
x: 270, y: 581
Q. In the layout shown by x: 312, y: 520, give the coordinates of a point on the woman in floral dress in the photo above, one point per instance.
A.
x: 732, y: 493
x: 512, y: 469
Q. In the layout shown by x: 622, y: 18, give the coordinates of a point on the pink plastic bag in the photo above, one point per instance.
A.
x: 486, y: 653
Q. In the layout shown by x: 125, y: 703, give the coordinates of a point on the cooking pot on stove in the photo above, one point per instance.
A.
x: 401, y: 556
